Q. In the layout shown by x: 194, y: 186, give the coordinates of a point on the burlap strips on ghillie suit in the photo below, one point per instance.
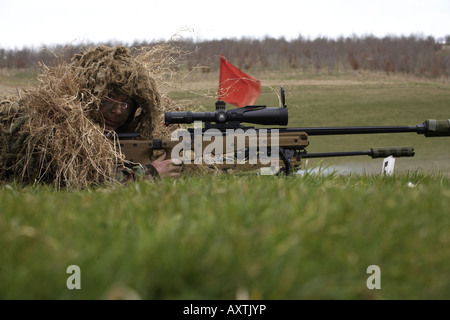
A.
x: 52, y: 133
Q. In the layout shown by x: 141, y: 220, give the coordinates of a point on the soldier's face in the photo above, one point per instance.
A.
x: 116, y: 108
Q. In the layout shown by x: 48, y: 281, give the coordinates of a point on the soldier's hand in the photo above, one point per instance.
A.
x: 167, y: 167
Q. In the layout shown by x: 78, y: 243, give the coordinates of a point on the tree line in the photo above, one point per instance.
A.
x: 415, y: 55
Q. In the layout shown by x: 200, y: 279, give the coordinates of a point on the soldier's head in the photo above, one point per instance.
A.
x: 125, y: 94
x: 117, y: 109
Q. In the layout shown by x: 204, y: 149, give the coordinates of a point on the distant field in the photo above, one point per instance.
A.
x: 13, y: 79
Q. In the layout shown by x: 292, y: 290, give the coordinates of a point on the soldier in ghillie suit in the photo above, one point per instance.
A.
x: 61, y: 132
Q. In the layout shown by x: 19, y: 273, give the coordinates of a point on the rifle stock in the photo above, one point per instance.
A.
x: 140, y: 151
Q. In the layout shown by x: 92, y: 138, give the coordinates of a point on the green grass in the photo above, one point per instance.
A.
x: 304, y: 237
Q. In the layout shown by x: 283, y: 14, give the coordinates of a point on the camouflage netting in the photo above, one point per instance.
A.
x: 52, y: 133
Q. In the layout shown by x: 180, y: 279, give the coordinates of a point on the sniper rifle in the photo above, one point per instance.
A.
x: 220, y: 140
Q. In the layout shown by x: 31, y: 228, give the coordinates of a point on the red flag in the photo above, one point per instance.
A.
x: 237, y: 87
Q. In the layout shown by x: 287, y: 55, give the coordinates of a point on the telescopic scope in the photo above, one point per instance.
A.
x: 250, y: 114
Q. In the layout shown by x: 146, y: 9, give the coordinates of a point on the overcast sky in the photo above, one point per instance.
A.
x: 33, y: 23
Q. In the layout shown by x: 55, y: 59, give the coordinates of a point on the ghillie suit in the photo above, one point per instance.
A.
x: 53, y: 133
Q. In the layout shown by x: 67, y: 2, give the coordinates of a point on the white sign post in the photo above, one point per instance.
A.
x: 388, y: 166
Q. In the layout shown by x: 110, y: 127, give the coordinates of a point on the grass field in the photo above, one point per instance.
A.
x: 309, y: 236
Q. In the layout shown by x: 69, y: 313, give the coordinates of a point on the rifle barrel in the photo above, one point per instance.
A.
x: 318, y: 131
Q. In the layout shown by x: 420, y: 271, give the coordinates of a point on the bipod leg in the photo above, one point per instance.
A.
x: 288, y: 169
